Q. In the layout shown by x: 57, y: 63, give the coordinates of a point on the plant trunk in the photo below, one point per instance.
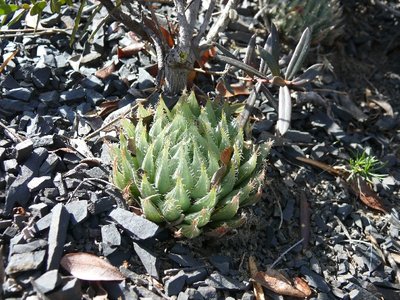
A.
x: 178, y: 64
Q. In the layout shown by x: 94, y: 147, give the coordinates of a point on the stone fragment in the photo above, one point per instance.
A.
x: 29, y: 247
x: 221, y: 282
x: 148, y: 259
x: 93, y: 83
x: 47, y: 282
x: 41, y: 77
x: 10, y: 166
x: 9, y: 83
x: 98, y: 205
x: 39, y: 183
x: 78, y: 211
x: 43, y: 141
x: 146, y: 294
x: 139, y: 227
x: 196, y: 275
x: 344, y: 210
x: 18, y: 191
x: 93, y: 97
x: 23, y: 94
x: 111, y: 238
x: 221, y: 263
x: 12, y: 106
x: 175, y: 284
x: 25, y: 262
x: 208, y: 292
x: 70, y: 290
x: 315, y: 280
x: 50, y: 98
x: 96, y: 172
x: 23, y: 150
x: 39, y: 209
x: 73, y: 96
x: 57, y: 235
x: 49, y: 165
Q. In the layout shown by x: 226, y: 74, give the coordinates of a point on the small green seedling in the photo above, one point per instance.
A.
x: 366, y: 166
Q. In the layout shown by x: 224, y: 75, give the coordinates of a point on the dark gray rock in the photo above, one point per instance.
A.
x: 71, y: 289
x: 92, y: 83
x: 78, y: 211
x: 146, y: 294
x: 47, y: 282
x: 221, y: 282
x: 344, y: 210
x: 10, y: 166
x: 49, y: 165
x: 298, y: 136
x: 94, y: 97
x: 96, y: 172
x: 18, y: 191
x: 57, y: 235
x: 73, y: 96
x: 39, y: 183
x: 175, y: 284
x: 190, y: 294
x: 145, y: 80
x: 221, y: 263
x: 43, y: 141
x: 111, y: 238
x: 137, y: 226
x: 98, y: 204
x: 148, y: 259
x: 208, y: 292
x: 184, y: 260
x: 29, y: 247
x: 23, y: 150
x: 41, y: 77
x: 9, y: 83
x: 248, y: 296
x: 50, y: 98
x: 39, y: 209
x: 315, y: 280
x: 23, y: 94
x: 12, y: 106
x: 25, y: 262
x: 196, y: 275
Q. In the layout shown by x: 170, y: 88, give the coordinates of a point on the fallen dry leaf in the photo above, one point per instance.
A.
x: 226, y: 155
x: 237, y: 88
x: 301, y: 285
x: 279, y: 284
x: 130, y: 50
x: 90, y: 267
x: 106, y: 71
x: 258, y: 290
x: 7, y: 60
x: 366, y: 194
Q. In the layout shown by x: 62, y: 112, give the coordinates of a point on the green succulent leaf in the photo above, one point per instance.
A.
x: 271, y: 62
x: 228, y: 211
x: 285, y: 110
x: 151, y: 210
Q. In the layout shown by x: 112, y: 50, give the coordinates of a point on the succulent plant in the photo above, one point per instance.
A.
x: 190, y: 167
x: 323, y: 17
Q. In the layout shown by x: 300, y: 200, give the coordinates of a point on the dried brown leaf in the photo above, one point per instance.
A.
x: 90, y: 267
x: 366, y: 194
x: 130, y: 50
x: 237, y: 89
x: 258, y: 290
x: 106, y: 71
x: 226, y: 155
x: 302, y: 286
x: 7, y: 60
x: 276, y: 282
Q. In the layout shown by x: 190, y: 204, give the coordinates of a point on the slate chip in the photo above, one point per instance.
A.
x: 139, y: 227
x: 196, y: 275
x: 69, y: 290
x: 39, y: 183
x: 10, y: 166
x: 175, y: 284
x: 221, y: 282
x: 73, y: 96
x: 222, y: 263
x: 23, y: 150
x: 25, y: 262
x: 47, y: 282
x: 57, y: 235
x: 23, y: 94
x: 148, y: 259
x: 50, y: 98
x: 315, y: 280
x: 41, y: 77
x: 184, y: 260
x: 78, y: 211
x: 98, y: 204
x: 208, y: 292
x: 29, y: 247
x: 111, y: 238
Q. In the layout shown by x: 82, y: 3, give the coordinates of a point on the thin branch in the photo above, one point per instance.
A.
x: 192, y: 12
x: 284, y: 253
x: 221, y: 23
x: 15, y: 135
x: 185, y: 33
x: 206, y: 22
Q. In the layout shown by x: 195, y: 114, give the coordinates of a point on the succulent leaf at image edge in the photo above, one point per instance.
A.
x: 190, y: 167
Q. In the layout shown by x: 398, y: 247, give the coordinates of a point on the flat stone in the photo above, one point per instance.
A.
x: 57, y: 235
x: 94, y: 97
x: 344, y: 210
x: 18, y: 191
x: 315, y: 280
x: 175, y: 284
x: 70, y: 290
x: 43, y: 223
x: 184, y: 260
x: 23, y: 94
x: 208, y: 292
x: 139, y: 227
x: 11, y: 106
x: 39, y: 183
x: 222, y: 263
x: 111, y: 238
x: 47, y: 282
x: 23, y: 150
x: 196, y: 275
x: 78, y: 211
x: 41, y: 77
x: 25, y: 262
x: 29, y: 247
x: 50, y: 98
x: 145, y: 80
x: 221, y: 282
x: 39, y: 209
x: 73, y: 96
x: 10, y: 166
x: 49, y: 165
x: 93, y: 83
x: 9, y: 83
x: 148, y: 259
